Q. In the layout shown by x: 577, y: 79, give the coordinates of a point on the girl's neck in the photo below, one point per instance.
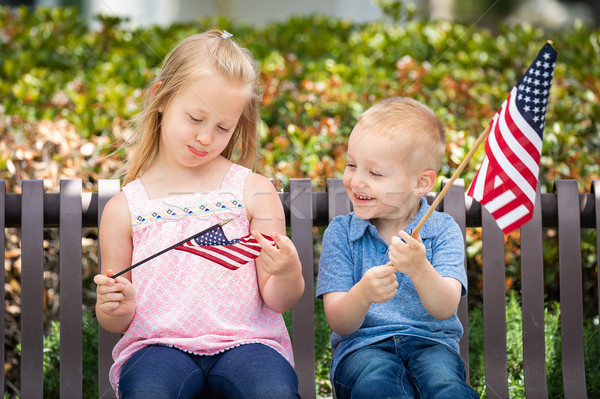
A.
x: 161, y: 181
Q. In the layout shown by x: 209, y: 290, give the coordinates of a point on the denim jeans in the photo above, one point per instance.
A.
x: 402, y: 367
x: 246, y: 371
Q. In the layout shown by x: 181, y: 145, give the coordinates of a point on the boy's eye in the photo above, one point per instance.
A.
x: 375, y: 174
x: 350, y: 165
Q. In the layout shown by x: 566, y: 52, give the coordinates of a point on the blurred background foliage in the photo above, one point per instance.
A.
x: 67, y: 94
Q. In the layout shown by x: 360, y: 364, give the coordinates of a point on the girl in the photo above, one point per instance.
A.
x: 191, y: 327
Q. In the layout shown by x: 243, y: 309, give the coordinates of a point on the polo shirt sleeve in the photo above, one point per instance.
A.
x: 335, y: 263
x: 448, y: 252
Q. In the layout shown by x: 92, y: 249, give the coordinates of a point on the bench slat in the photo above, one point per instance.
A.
x: 2, y: 279
x: 71, y: 343
x: 595, y: 189
x: 494, y: 308
x: 571, y: 302
x: 303, y: 320
x: 337, y: 199
x: 454, y: 205
x: 106, y: 340
x: 32, y: 293
x: 532, y: 298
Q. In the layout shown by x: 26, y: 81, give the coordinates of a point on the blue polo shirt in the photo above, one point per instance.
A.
x: 352, y: 245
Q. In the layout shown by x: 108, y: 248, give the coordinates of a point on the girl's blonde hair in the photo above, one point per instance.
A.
x: 188, y: 60
x: 415, y: 129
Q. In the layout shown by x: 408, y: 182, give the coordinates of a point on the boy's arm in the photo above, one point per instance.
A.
x: 439, y: 295
x: 346, y: 310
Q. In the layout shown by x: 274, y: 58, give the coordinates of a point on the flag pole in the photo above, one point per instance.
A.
x: 457, y: 172
x: 221, y: 223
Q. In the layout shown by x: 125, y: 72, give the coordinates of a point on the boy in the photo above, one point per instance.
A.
x: 391, y: 299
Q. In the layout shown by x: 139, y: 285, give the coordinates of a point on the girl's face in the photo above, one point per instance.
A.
x: 200, y: 120
x: 376, y: 181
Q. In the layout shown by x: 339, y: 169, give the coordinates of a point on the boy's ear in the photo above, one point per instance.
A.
x: 425, y: 182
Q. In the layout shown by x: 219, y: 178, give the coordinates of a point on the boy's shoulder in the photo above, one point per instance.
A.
x: 440, y: 224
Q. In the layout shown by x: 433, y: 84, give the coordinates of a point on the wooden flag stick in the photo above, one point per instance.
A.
x: 457, y: 172
x: 221, y: 223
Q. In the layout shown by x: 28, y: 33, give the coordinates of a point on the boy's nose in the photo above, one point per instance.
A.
x: 357, y: 181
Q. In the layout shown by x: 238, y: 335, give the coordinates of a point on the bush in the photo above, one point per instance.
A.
x: 514, y: 342
x: 66, y: 94
x: 51, y: 359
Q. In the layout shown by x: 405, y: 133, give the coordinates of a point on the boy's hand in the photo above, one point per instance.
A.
x: 379, y: 283
x: 116, y: 297
x: 407, y: 256
x: 276, y: 259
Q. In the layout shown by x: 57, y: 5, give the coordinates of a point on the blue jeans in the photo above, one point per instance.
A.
x: 246, y: 371
x: 402, y: 367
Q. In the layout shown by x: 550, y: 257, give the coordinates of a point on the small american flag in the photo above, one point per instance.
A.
x: 214, y: 246
x: 507, y: 179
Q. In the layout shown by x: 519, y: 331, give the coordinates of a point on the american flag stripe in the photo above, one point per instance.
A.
x: 237, y: 252
x: 509, y: 160
x: 218, y: 249
x: 525, y: 149
x: 507, y: 180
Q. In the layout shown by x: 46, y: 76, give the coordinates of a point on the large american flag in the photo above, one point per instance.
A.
x: 507, y: 179
x: 214, y: 246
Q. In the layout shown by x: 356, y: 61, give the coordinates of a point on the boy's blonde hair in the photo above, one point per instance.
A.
x: 190, y: 59
x: 415, y: 129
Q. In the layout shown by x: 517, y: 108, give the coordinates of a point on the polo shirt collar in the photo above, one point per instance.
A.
x: 358, y: 226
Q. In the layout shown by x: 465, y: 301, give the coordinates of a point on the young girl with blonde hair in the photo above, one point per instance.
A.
x: 191, y: 327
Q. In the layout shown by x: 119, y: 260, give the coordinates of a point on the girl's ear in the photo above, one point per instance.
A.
x: 425, y: 182
x: 155, y: 87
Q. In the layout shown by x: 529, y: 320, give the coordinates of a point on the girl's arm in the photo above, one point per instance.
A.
x: 115, y: 302
x: 278, y: 269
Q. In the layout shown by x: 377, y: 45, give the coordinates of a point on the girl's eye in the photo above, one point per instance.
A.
x: 223, y: 129
x: 375, y: 174
x: 350, y: 165
x: 194, y: 119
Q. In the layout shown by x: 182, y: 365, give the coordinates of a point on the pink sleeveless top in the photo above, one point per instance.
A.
x: 186, y: 301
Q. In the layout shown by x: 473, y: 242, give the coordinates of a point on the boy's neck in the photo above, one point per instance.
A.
x: 388, y: 228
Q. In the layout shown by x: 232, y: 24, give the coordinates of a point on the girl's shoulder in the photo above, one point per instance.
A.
x: 116, y: 209
x: 260, y: 194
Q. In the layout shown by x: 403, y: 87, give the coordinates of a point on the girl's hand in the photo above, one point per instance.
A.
x: 279, y: 259
x: 407, y: 254
x: 115, y: 297
x: 379, y: 284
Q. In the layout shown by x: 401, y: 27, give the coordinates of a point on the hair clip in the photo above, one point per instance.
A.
x: 226, y: 35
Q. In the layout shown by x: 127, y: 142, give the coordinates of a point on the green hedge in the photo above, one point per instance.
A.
x: 319, y: 73
x: 66, y: 94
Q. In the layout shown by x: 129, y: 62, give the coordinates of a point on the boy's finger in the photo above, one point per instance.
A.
x: 389, y: 269
x: 410, y: 241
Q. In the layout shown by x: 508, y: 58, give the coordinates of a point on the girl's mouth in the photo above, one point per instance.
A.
x: 198, y: 153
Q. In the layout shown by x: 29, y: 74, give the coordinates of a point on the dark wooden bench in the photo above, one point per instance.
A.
x: 565, y: 209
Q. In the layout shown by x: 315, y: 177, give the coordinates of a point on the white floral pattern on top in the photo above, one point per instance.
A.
x: 186, y: 301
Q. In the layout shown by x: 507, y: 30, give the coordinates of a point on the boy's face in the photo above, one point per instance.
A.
x: 376, y: 181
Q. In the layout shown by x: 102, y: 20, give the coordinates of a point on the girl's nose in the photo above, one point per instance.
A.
x: 204, y: 136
